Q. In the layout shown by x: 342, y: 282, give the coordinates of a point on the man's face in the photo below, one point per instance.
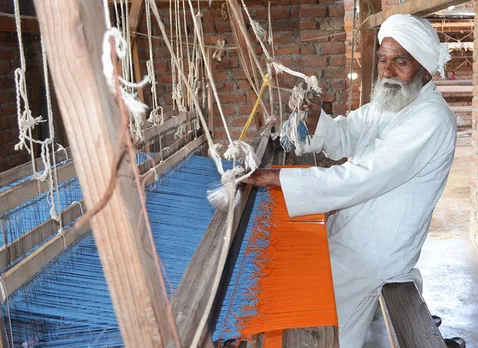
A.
x: 400, y: 77
x: 396, y: 63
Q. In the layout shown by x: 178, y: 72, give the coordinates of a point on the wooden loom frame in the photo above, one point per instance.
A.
x: 64, y: 18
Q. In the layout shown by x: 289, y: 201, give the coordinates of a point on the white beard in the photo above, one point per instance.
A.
x: 395, y: 98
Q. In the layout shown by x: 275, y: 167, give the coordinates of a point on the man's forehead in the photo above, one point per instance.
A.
x: 390, y: 47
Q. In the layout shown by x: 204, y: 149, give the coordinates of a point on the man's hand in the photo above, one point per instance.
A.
x: 263, y: 178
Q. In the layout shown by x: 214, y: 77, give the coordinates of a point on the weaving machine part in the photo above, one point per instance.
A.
x: 68, y: 303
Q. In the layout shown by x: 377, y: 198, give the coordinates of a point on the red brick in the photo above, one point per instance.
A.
x: 308, y: 2
x: 239, y: 121
x: 308, y: 50
x: 5, y: 69
x: 338, y: 60
x: 287, y: 50
x: 245, y: 109
x: 279, y: 12
x: 208, y: 26
x: 6, y: 96
x: 222, y: 26
x: 285, y: 24
x: 284, y: 37
x: 339, y: 85
x: 220, y: 75
x: 314, y: 36
x: 225, y: 63
x: 224, y: 87
x: 8, y: 109
x: 226, y: 109
x: 161, y: 66
x: 312, y: 12
x: 313, y: 61
x: 308, y: 24
x: 244, y: 85
x: 336, y: 11
x: 233, y: 98
x: 333, y: 48
x: 334, y: 74
x: 165, y: 78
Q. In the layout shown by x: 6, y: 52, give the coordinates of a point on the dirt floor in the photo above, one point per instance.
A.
x: 449, y: 261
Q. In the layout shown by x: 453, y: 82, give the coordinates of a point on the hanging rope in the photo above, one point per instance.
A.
x: 134, y: 105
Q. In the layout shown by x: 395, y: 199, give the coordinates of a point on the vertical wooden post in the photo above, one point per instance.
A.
x: 368, y: 47
x: 73, y: 32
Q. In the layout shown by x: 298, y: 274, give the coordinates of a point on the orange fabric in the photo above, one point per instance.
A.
x: 295, y: 288
x: 273, y: 339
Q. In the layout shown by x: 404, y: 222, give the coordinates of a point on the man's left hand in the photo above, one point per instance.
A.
x: 264, y: 178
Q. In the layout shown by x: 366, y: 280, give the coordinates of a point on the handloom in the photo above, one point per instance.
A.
x: 54, y: 290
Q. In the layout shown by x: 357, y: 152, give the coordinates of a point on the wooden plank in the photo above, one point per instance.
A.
x: 7, y: 24
x: 18, y: 275
x: 461, y: 108
x: 12, y: 175
x: 166, y: 152
x: 320, y: 337
x: 149, y: 177
x: 419, y: 8
x: 26, y: 242
x: 73, y: 31
x: 455, y: 89
x: 453, y: 83
x: 368, y: 48
x: 27, y: 190
x: 170, y: 122
x: 408, y: 317
x: 194, y: 290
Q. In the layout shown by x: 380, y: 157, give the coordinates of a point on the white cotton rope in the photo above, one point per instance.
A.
x: 134, y: 105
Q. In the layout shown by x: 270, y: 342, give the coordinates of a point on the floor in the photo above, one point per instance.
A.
x: 449, y: 262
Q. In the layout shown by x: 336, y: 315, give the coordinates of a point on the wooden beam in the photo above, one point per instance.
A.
x: 210, y: 97
x: 453, y: 82
x: 29, y: 25
x: 170, y: 122
x: 148, y: 177
x: 407, y: 317
x: 447, y: 89
x: 368, y: 47
x: 320, y: 337
x: 27, y: 190
x: 12, y: 175
x: 418, y: 8
x: 18, y: 275
x: 193, y: 292
x: 73, y: 31
x: 26, y: 242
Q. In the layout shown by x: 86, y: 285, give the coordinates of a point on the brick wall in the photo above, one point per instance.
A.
x: 302, y: 40
x: 9, y: 61
x: 474, y: 142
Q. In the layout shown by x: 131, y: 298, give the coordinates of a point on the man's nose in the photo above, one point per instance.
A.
x: 388, y: 71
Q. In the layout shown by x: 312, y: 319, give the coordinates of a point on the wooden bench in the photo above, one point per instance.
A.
x: 407, y: 318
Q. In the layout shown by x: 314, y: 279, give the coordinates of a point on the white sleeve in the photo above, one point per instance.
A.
x: 337, y: 137
x: 404, y: 153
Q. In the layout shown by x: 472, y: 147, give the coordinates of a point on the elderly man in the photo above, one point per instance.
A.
x: 400, y: 149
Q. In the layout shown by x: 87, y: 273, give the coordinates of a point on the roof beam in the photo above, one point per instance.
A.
x: 417, y: 8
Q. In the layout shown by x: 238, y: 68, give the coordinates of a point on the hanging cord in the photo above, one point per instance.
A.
x: 25, y: 119
x: 156, y: 116
x: 279, y: 96
x: 134, y: 105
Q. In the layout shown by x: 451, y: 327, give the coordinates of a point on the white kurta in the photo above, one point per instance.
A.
x: 385, y: 196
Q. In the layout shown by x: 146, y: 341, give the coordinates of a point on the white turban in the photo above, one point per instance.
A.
x: 418, y: 37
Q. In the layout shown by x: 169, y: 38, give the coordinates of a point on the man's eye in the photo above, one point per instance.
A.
x: 401, y: 62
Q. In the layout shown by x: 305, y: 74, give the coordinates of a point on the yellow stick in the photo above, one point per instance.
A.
x: 267, y: 82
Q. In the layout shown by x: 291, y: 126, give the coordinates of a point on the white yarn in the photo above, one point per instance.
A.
x: 219, y: 50
x: 134, y: 105
x: 244, y: 153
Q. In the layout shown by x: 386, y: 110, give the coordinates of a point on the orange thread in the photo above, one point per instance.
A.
x: 293, y: 285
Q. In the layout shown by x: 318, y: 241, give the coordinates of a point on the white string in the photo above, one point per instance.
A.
x: 134, y: 105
